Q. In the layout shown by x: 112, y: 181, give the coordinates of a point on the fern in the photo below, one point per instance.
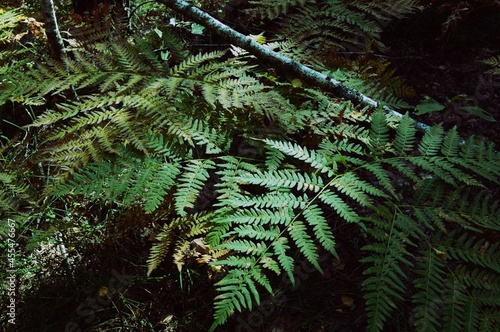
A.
x: 494, y: 62
x: 389, y: 257
x: 184, y: 227
x: 339, y: 25
x: 126, y: 180
x: 428, y: 300
x: 210, y: 143
x: 272, y: 8
x: 191, y: 183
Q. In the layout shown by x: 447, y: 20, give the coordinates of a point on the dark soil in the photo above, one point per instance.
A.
x: 440, y: 55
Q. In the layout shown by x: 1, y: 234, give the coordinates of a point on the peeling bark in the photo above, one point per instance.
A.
x: 286, y: 64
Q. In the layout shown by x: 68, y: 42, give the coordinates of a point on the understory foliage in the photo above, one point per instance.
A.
x: 208, y: 143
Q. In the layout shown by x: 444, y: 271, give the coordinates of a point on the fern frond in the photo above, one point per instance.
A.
x: 237, y: 291
x: 451, y: 143
x: 339, y: 205
x: 272, y: 9
x: 270, y: 200
x: 382, y: 176
x: 494, y: 62
x: 257, y: 232
x: 322, y: 231
x: 260, y: 216
x: 130, y: 181
x: 454, y: 305
x: 431, y: 142
x: 429, y: 287
x: 284, y: 178
x: 286, y: 262
x: 315, y: 159
x: 191, y: 183
x: 388, y: 260
x: 352, y: 186
x: 184, y: 227
x: 304, y: 242
x: 193, y: 63
x: 379, y: 131
x: 405, y: 135
x: 469, y: 249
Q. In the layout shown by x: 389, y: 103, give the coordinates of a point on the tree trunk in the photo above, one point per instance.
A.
x: 286, y: 64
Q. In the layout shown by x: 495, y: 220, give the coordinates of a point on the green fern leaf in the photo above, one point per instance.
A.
x: 431, y: 141
x: 339, y: 205
x: 235, y: 290
x: 454, y: 305
x: 405, y: 135
x: 285, y: 179
x: 451, y: 143
x: 315, y: 159
x: 280, y: 247
x: 322, y: 231
x: 260, y: 216
x: 191, y: 183
x: 429, y: 288
x: 159, y: 184
x: 256, y: 232
x: 379, y: 132
x: 304, y: 242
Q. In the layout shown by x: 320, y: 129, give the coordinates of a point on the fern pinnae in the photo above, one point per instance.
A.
x: 260, y: 216
x: 405, y: 135
x: 160, y: 184
x: 451, y: 143
x: 160, y: 249
x: 471, y: 316
x: 274, y: 159
x: 431, y: 142
x: 379, y: 132
x: 231, y: 296
x: 187, y: 227
x: 194, y: 62
x: 257, y: 232
x: 280, y: 247
x: 284, y: 178
x: 315, y: 159
x: 304, y: 242
x: 322, y: 231
x: 431, y: 166
x: 127, y: 57
x: 428, y: 297
x: 339, y: 205
x: 454, y: 305
x: 468, y: 248
x: 191, y: 183
x: 269, y: 200
x: 385, y: 285
x: 382, y: 177
x: 245, y: 246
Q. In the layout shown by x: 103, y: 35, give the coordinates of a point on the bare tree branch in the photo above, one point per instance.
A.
x: 286, y: 64
x: 56, y: 44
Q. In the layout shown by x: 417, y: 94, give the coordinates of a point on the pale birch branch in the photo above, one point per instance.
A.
x: 56, y: 44
x: 282, y: 62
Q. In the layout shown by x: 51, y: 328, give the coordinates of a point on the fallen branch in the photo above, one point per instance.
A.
x: 282, y: 62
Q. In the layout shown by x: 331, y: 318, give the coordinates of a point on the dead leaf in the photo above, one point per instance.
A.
x: 103, y: 291
x: 348, y: 301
